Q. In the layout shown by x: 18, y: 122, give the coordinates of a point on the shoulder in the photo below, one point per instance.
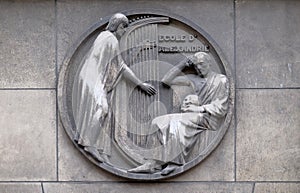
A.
x: 106, y: 37
x: 221, y: 78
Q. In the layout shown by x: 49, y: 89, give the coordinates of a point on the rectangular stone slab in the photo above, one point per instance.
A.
x: 27, y: 44
x: 277, y: 187
x: 268, y: 135
x: 28, y: 135
x: 21, y: 188
x: 267, y: 44
x: 149, y: 187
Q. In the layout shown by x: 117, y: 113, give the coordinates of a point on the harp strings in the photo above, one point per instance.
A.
x: 143, y: 39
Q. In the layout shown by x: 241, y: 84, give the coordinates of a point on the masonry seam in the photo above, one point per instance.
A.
x: 27, y: 88
x: 42, y: 188
x: 253, y: 187
x: 235, y: 82
x: 56, y: 73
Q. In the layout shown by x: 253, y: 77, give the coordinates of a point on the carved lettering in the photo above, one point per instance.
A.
x: 172, y: 38
x: 191, y: 38
x: 176, y: 38
x: 186, y: 49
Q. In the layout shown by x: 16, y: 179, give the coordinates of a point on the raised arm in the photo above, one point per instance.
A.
x: 167, y: 79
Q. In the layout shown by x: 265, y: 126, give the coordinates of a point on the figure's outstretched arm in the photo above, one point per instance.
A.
x: 148, y: 88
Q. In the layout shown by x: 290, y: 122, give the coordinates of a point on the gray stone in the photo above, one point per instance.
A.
x: 268, y: 44
x: 218, y: 166
x: 268, y: 136
x: 27, y: 127
x: 149, y: 187
x: 20, y: 187
x: 75, y: 17
x: 73, y: 165
x: 27, y: 44
x: 231, y: 154
x: 277, y: 187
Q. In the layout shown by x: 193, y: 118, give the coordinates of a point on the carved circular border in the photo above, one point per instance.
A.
x: 64, y: 112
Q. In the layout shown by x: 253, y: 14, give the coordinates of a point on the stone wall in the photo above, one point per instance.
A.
x: 261, y: 150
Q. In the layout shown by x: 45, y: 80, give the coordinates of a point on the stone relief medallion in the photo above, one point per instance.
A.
x: 145, y: 95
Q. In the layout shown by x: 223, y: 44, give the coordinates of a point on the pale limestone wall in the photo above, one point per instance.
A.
x: 260, y: 152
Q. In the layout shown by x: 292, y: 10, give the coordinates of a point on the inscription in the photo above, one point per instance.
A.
x: 173, y: 49
x: 173, y: 43
x: 176, y: 38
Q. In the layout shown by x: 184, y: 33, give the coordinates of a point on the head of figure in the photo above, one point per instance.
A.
x: 117, y: 24
x: 201, y: 62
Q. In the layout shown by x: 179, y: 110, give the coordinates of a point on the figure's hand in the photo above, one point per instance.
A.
x: 192, y: 108
x: 148, y: 88
x: 190, y: 60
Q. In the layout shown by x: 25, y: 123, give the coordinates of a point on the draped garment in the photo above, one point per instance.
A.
x: 93, y: 92
x: 178, y: 132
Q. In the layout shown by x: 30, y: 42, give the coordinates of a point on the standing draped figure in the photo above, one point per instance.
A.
x: 93, y: 90
x: 92, y: 94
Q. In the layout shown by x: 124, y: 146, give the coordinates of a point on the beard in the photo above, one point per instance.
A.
x: 199, y: 73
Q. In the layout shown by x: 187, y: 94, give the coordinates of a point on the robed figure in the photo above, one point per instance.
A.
x: 93, y: 90
x: 205, y: 110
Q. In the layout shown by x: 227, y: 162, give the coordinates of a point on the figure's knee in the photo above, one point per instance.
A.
x: 200, y: 117
x: 157, y: 120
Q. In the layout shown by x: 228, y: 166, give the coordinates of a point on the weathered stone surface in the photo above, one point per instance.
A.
x: 75, y: 17
x: 149, y: 187
x: 27, y: 127
x: 73, y: 165
x: 20, y: 187
x: 86, y: 14
x: 27, y: 44
x: 268, y: 135
x: 277, y: 188
x: 268, y: 44
x: 218, y: 166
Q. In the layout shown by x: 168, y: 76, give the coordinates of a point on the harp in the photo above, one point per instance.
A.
x: 134, y: 110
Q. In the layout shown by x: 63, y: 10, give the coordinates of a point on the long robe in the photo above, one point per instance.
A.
x: 178, y: 132
x: 92, y: 92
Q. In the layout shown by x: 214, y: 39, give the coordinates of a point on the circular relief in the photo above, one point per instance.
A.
x: 145, y: 96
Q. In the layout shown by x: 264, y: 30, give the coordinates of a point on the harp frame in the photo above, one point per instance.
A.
x: 134, y: 153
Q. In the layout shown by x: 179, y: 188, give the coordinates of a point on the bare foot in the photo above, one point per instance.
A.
x: 94, y: 153
x: 169, y: 169
x: 105, y: 159
x: 147, y: 167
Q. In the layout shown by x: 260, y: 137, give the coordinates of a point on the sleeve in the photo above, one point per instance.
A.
x: 219, y: 105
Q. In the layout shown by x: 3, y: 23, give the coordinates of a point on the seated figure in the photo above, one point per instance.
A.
x: 205, y: 110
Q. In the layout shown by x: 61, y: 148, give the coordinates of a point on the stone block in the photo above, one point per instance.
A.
x: 267, y: 44
x: 75, y: 18
x: 27, y: 44
x: 148, y: 187
x: 268, y: 135
x: 74, y: 166
x: 28, y: 135
x: 277, y: 187
x: 20, y: 187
